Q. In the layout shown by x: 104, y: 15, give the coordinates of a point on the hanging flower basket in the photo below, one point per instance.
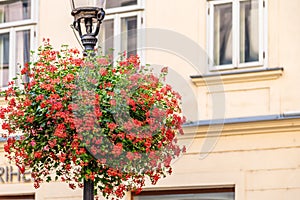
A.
x: 86, y: 118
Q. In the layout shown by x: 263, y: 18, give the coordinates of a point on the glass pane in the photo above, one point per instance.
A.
x: 223, y: 34
x: 4, y: 59
x: 120, y: 3
x: 129, y: 35
x: 23, y: 197
x: 106, y: 39
x: 200, y: 196
x: 249, y: 31
x: 14, y: 10
x: 86, y: 3
x: 22, y: 49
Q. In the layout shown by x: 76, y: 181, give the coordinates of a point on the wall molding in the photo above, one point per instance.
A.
x: 236, y: 128
x: 237, y: 77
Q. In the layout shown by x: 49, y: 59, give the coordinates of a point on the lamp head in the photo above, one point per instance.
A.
x: 88, y: 16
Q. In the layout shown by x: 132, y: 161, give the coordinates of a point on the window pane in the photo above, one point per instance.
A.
x: 14, y: 10
x: 23, y: 197
x: 120, y: 3
x: 107, y: 37
x: 22, y: 49
x: 4, y: 59
x: 129, y: 35
x: 223, y: 34
x: 249, y: 32
x: 86, y: 3
x: 200, y: 196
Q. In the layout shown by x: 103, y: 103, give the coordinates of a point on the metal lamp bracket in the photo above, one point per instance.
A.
x: 88, y: 16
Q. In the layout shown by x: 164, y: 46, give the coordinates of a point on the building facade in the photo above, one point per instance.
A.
x: 233, y: 61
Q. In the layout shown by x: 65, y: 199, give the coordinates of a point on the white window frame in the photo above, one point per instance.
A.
x: 262, y: 61
x: 12, y: 28
x: 32, y: 21
x: 116, y: 14
x: 117, y: 30
x: 12, y: 46
x: 139, y: 6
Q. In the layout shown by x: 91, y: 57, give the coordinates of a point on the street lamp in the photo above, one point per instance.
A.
x: 88, y: 16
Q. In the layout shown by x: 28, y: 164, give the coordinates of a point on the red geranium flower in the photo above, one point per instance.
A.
x: 115, y: 125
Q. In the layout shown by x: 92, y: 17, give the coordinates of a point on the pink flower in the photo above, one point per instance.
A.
x: 27, y: 102
x: 102, y: 61
x: 32, y: 143
x: 130, y: 155
x: 60, y: 131
x: 103, y: 72
x: 117, y: 150
x: 46, y: 148
x: 40, y: 97
x: 112, y: 126
x: 68, y: 78
x: 30, y: 119
x: 113, y: 102
x: 38, y: 154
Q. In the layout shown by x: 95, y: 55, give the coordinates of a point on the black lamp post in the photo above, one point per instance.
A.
x: 88, y: 16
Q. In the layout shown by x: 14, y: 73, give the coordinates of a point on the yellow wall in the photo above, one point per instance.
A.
x: 261, y: 159
x: 54, y: 23
x: 188, y: 20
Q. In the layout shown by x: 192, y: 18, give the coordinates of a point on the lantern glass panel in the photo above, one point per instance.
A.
x: 86, y: 3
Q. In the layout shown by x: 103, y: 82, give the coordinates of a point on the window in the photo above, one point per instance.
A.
x: 17, y: 28
x: 201, y: 194
x: 119, y: 30
x: 236, y: 33
x: 120, y: 3
x: 21, y: 197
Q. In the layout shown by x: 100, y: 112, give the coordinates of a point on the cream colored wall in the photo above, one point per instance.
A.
x: 54, y: 23
x: 49, y: 191
x: 180, y: 45
x: 260, y: 159
x: 185, y: 18
x: 46, y: 191
x: 284, y: 25
x: 251, y: 98
x: 280, y: 95
x: 189, y: 19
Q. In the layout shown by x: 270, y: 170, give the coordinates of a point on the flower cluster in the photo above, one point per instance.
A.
x: 88, y: 119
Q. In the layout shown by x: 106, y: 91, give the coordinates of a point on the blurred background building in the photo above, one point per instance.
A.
x: 235, y: 62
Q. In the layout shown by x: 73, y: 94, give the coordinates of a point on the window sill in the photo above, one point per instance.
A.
x: 27, y: 22
x: 237, y: 77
